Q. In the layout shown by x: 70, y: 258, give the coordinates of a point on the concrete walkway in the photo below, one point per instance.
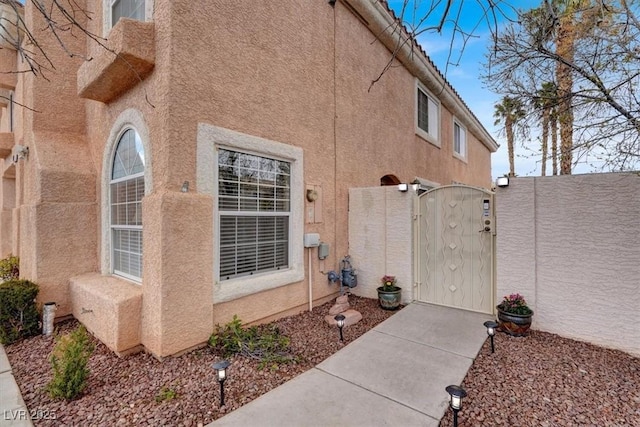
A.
x: 394, y: 375
x: 13, y: 411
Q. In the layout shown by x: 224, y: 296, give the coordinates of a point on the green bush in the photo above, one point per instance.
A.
x: 9, y: 268
x: 166, y: 393
x: 263, y: 343
x: 18, y: 312
x: 69, y: 363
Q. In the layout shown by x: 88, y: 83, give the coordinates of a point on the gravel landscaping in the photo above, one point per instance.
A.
x: 546, y: 380
x: 541, y: 380
x: 180, y: 391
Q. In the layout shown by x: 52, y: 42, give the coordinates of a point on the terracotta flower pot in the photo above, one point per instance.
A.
x: 514, y: 324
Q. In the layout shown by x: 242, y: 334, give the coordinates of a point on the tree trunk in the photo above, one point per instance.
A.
x: 508, y: 125
x: 565, y: 38
x: 553, y: 125
x: 545, y: 138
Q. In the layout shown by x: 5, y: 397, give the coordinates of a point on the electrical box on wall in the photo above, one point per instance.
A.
x: 323, y: 250
x: 311, y: 240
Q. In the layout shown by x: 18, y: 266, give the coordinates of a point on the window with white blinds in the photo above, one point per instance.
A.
x: 126, y: 193
x: 427, y: 116
x: 254, y: 208
x: 459, y: 140
x: 134, y: 9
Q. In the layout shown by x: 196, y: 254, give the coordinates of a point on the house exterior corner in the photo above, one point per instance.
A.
x: 155, y: 206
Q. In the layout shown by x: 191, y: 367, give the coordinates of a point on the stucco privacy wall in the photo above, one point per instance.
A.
x: 381, y: 238
x: 571, y: 245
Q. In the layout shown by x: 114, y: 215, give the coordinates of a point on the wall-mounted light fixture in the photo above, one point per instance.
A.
x: 403, y: 187
x: 185, y: 187
x: 312, y: 195
x: 19, y: 152
x: 502, y: 181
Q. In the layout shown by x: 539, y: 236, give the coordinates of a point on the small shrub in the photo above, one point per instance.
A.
x: 69, y: 363
x: 263, y: 343
x: 9, y: 268
x: 19, y: 316
x: 166, y: 393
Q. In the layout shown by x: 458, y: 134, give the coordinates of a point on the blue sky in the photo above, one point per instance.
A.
x: 464, y: 73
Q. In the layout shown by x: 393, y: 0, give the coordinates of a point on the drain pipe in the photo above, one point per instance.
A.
x: 310, y: 283
x: 48, y: 315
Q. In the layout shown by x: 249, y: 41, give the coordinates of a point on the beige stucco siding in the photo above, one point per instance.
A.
x: 297, y: 76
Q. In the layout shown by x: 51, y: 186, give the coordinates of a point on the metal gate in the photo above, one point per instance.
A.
x: 455, y: 248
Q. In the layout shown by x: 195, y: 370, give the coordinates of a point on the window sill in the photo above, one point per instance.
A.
x: 243, y: 286
x: 427, y: 137
x: 109, y: 75
x: 460, y: 157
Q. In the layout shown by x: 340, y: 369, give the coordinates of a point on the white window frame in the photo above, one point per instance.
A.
x: 433, y: 134
x: 125, y: 227
x: 128, y: 119
x: 272, y: 203
x: 210, y: 138
x: 462, y: 153
x: 107, y: 14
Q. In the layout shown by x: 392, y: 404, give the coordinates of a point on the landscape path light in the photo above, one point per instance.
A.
x: 221, y: 373
x: 340, y: 321
x: 491, y: 331
x: 456, y: 394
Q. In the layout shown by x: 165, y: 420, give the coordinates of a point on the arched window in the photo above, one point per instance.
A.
x: 126, y: 193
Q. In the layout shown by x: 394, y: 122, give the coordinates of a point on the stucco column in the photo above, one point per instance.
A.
x: 58, y: 216
x: 177, y: 302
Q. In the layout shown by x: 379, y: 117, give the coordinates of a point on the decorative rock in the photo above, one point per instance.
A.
x: 351, y: 317
x: 341, y: 305
x: 338, y: 308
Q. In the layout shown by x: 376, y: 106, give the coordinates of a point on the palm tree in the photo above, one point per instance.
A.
x: 511, y: 111
x: 565, y: 48
x: 546, y: 102
x: 575, y: 19
x: 553, y: 127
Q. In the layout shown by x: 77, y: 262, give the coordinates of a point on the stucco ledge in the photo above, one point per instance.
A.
x: 127, y: 58
x: 110, y: 308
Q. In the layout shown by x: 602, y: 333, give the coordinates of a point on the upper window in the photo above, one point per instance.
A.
x: 459, y: 140
x: 126, y: 193
x: 427, y: 115
x: 133, y: 9
x: 254, y: 208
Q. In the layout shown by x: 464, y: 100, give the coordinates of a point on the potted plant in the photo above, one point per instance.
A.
x: 389, y: 295
x: 514, y: 315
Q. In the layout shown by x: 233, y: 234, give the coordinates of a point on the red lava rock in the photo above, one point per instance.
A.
x: 122, y: 391
x: 541, y: 379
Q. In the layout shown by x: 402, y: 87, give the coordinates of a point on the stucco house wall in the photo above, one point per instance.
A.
x: 571, y: 244
x: 293, y: 82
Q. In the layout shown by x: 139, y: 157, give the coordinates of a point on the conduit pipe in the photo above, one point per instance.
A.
x: 310, y: 283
